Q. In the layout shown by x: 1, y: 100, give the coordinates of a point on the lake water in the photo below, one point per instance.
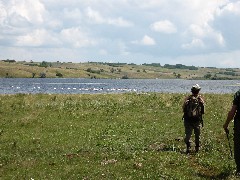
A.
x: 83, y: 86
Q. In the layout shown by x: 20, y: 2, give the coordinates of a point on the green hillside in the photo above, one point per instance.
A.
x: 22, y: 69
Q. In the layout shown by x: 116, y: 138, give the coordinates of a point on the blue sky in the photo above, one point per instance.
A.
x: 190, y: 32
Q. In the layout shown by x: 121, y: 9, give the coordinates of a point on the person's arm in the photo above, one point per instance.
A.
x: 230, y: 116
x: 201, y: 99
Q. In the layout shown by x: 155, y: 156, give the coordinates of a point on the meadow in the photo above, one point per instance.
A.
x: 98, y: 70
x: 110, y: 136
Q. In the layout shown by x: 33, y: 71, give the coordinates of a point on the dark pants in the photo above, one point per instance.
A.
x: 191, y: 126
x: 236, y: 140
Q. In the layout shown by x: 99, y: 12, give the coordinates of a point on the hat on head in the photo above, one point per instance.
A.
x: 195, y: 88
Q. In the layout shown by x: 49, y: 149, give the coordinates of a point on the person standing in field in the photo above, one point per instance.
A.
x: 234, y: 113
x: 193, y: 109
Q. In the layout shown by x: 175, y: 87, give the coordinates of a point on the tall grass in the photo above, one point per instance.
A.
x: 109, y: 136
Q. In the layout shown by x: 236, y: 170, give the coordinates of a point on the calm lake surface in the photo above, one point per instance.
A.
x: 90, y: 86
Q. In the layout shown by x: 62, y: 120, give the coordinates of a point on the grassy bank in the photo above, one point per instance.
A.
x: 113, y: 136
x: 111, y: 71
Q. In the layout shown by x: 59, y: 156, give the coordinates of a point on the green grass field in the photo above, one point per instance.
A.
x: 109, y: 136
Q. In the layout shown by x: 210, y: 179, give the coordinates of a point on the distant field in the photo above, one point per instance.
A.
x: 113, y: 136
x: 106, y: 70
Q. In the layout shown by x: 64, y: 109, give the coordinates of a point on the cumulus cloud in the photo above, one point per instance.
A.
x: 32, y: 11
x: 164, y: 27
x: 146, y: 40
x: 74, y: 14
x: 39, y: 37
x: 124, y: 29
x: 150, y: 4
x: 76, y: 38
x: 3, y: 13
x: 96, y: 17
x: 201, y: 34
x: 195, y: 43
x: 232, y: 8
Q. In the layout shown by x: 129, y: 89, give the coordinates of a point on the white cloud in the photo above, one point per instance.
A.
x: 96, y: 17
x: 222, y: 60
x: 76, y: 38
x: 119, y: 22
x: 103, y: 52
x: 121, y: 29
x: 18, y: 21
x: 200, y: 34
x: 122, y: 49
x: 3, y: 13
x: 233, y: 8
x: 219, y: 38
x: 148, y: 41
x: 197, y: 30
x: 164, y: 27
x: 228, y: 63
x: 33, y: 11
x: 75, y: 14
x: 143, y: 4
x: 39, y: 37
x: 195, y: 43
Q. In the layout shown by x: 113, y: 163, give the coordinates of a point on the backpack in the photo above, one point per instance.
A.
x: 193, y: 108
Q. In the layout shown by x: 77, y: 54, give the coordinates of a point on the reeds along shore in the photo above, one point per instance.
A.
x: 109, y: 136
